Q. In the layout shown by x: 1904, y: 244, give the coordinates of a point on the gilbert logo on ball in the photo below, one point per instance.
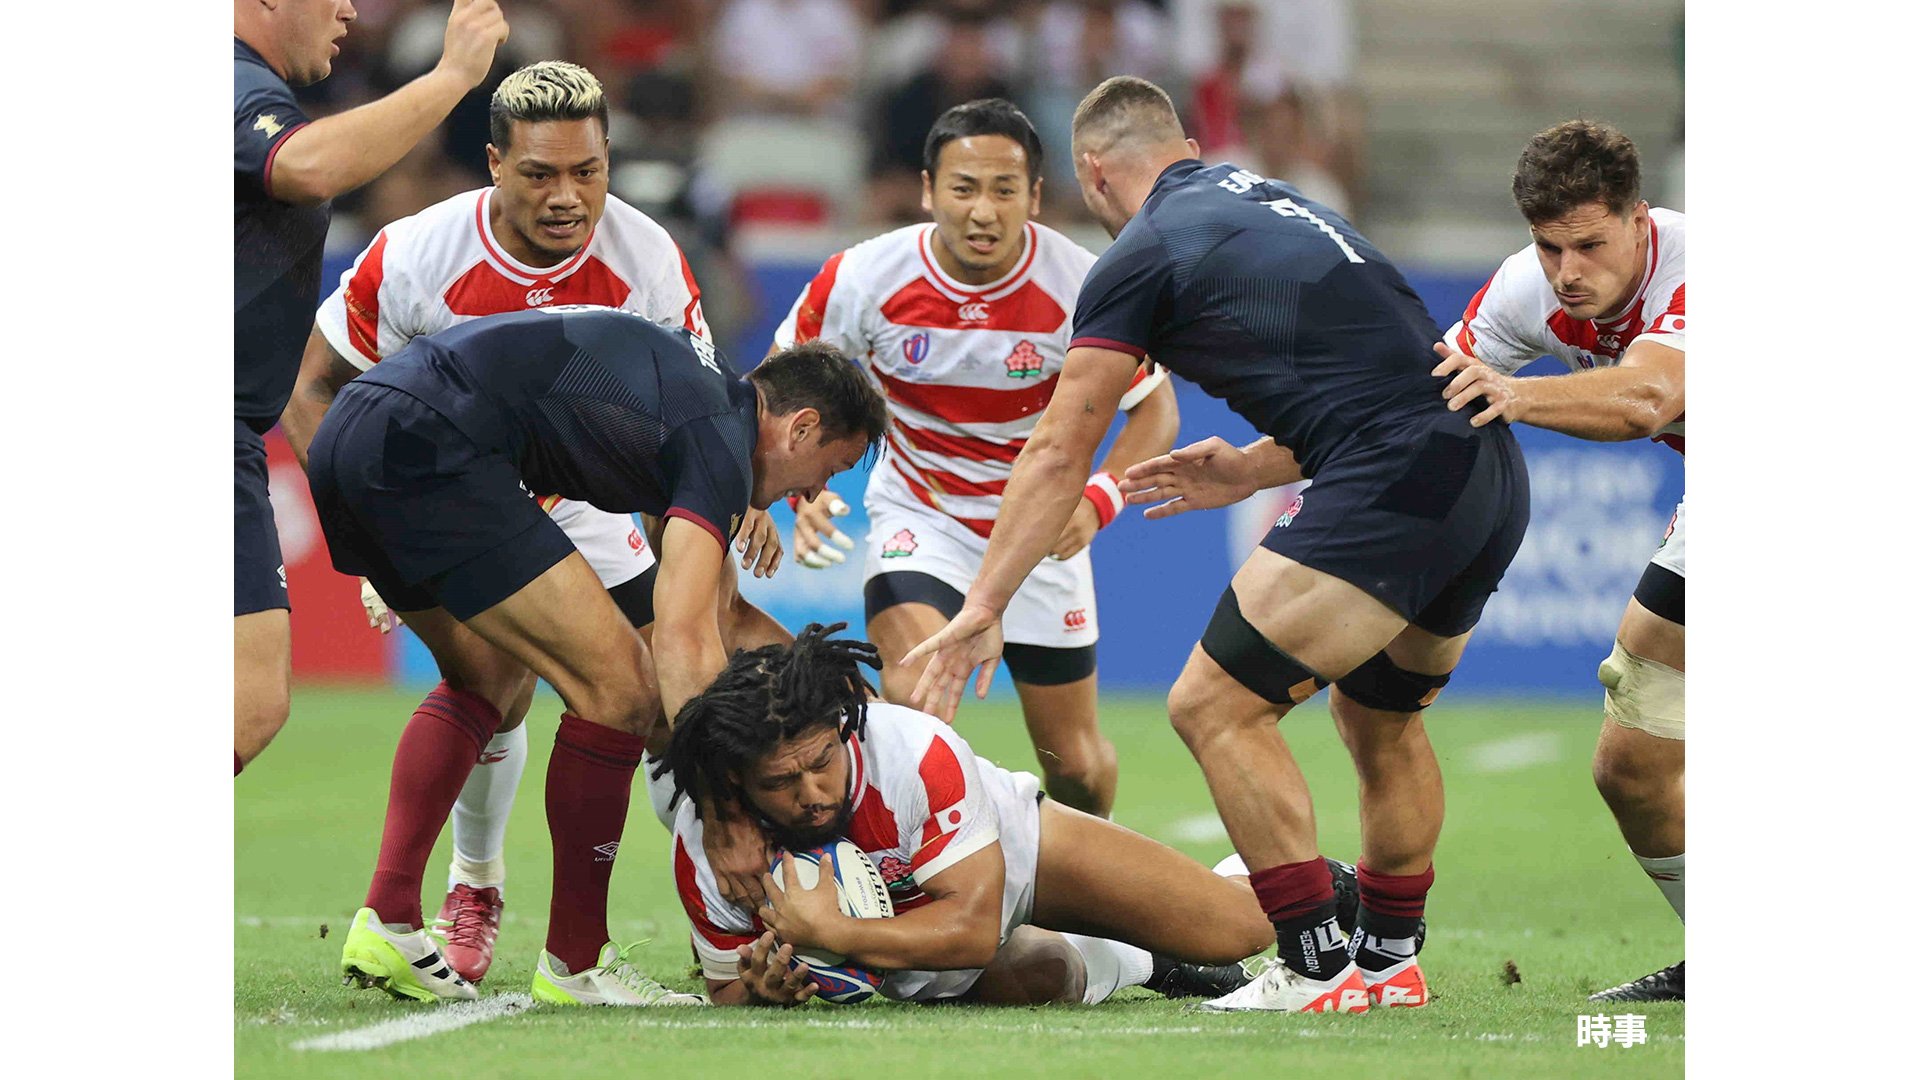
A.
x: 863, y: 895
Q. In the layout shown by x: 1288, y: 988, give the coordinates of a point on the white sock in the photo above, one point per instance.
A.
x: 480, y: 813
x: 1670, y: 874
x: 1111, y: 965
x: 659, y: 792
x: 1231, y: 866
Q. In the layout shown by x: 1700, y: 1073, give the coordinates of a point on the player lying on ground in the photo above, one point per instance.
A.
x: 419, y: 472
x: 1277, y: 305
x: 1603, y: 288
x: 1001, y: 894
x: 964, y: 323
x: 547, y: 232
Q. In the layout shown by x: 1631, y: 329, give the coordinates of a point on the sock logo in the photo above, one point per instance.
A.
x: 607, y: 851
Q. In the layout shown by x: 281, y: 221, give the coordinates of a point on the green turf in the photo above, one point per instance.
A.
x: 1532, y: 880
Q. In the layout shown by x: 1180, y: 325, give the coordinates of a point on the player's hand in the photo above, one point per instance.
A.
x: 1473, y: 380
x: 804, y: 918
x: 738, y: 853
x: 475, y: 30
x: 758, y: 543
x: 378, y: 616
x: 1079, y: 531
x: 971, y: 638
x: 813, y: 528
x: 1203, y: 476
x: 771, y: 976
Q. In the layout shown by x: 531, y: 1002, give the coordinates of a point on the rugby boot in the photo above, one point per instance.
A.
x: 614, y: 981
x: 406, y: 965
x: 1279, y: 988
x: 1402, y: 986
x: 1667, y: 984
x: 1173, y: 979
x: 468, y: 922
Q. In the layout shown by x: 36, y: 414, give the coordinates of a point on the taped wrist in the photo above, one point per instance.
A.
x: 1104, y: 492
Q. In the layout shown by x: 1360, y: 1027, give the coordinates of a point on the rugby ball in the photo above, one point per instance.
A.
x: 863, y: 895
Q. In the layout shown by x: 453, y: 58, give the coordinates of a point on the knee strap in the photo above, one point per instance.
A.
x: 1644, y: 694
x: 1384, y: 685
x: 1253, y: 661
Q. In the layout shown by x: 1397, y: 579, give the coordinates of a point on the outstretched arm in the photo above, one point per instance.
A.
x: 1209, y: 474
x: 1147, y: 431
x: 1634, y: 399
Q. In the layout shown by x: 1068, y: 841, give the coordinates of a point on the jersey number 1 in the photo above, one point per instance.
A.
x: 1289, y: 208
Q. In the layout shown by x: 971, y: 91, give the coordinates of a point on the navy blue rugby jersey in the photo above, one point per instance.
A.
x: 1268, y: 301
x: 276, y: 247
x: 594, y: 404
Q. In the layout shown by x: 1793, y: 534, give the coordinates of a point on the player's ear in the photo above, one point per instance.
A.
x: 926, y: 191
x: 493, y: 162
x: 1193, y: 148
x: 1033, y: 200
x: 805, y: 425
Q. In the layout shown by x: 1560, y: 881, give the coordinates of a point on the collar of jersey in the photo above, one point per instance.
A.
x: 1632, y: 307
x: 513, y: 268
x: 959, y: 291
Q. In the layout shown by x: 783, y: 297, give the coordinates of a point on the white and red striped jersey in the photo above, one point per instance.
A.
x: 922, y: 801
x: 442, y: 266
x: 966, y: 369
x: 1514, y: 319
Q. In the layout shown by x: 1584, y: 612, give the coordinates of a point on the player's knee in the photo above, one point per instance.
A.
x: 1249, y: 661
x: 1644, y: 695
x: 1042, y: 968
x: 1383, y: 686
x: 1631, y: 780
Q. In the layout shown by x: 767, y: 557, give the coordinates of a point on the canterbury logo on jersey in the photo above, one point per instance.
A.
x: 1076, y: 619
x: 973, y: 312
x: 536, y: 297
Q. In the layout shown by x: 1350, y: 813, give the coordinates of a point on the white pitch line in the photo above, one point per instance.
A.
x: 1198, y: 829
x: 1516, y: 753
x: 437, y: 1020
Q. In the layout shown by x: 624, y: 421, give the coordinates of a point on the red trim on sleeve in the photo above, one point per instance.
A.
x: 682, y: 512
x: 266, y: 170
x: 693, y: 289
x: 1103, y: 503
x: 362, y: 299
x: 1466, y: 320
x: 1678, y: 305
x: 1134, y: 351
x: 813, y: 310
x: 931, y: 850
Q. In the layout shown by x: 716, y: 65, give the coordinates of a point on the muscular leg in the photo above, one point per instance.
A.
x: 895, y: 631
x: 1642, y: 775
x: 1033, y: 967
x: 262, y: 680
x: 1077, y: 760
x: 1164, y: 902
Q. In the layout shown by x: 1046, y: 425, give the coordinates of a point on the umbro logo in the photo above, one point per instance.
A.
x: 493, y: 757
x: 607, y: 851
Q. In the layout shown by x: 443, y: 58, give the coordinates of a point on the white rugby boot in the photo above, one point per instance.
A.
x: 407, y: 965
x: 614, y: 981
x: 1282, y: 989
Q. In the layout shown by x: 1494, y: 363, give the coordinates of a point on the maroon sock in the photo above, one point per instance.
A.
x: 437, y: 752
x: 237, y: 763
x: 1391, y: 907
x: 1398, y: 896
x: 1298, y: 900
x: 589, y: 784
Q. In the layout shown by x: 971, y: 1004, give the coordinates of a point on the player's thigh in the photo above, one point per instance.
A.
x: 564, y: 626
x: 1099, y: 879
x: 1651, y: 637
x: 1062, y: 718
x: 1324, y: 622
x: 262, y: 665
x: 895, y: 629
x: 1032, y: 967
x: 469, y: 662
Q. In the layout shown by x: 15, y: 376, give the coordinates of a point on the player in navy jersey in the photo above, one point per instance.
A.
x: 1372, y: 581
x: 286, y: 171
x: 417, y: 473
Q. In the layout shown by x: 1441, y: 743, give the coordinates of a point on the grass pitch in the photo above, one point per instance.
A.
x: 1537, y: 903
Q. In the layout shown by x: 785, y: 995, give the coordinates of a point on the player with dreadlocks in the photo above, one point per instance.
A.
x: 1001, y: 895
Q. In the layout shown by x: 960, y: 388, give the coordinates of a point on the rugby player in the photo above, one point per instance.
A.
x: 964, y: 325
x: 546, y: 232
x: 1603, y: 287
x: 1001, y: 894
x: 286, y: 171
x: 1373, y: 583
x: 418, y: 472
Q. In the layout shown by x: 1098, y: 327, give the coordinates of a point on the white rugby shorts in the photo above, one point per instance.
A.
x: 1673, y: 550
x: 1016, y: 801
x: 1054, y: 608
x: 614, y: 544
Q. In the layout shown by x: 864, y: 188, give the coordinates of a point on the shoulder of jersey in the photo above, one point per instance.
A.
x: 1058, y: 250
x: 446, y: 232
x: 1673, y: 240
x: 884, y: 258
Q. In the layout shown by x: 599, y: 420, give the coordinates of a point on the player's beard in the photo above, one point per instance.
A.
x: 792, y: 838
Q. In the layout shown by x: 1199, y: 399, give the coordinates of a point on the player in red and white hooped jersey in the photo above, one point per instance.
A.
x: 984, y: 872
x: 546, y: 234
x: 1604, y: 288
x: 964, y: 323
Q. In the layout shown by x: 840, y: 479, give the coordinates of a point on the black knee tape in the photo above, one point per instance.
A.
x: 1253, y: 661
x: 1381, y: 684
x: 1047, y: 665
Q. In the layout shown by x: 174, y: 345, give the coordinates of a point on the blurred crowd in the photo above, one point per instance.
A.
x: 796, y: 114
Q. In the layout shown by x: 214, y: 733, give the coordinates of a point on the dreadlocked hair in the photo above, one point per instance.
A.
x: 763, y: 697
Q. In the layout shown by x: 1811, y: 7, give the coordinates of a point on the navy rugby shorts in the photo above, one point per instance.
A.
x: 1424, y: 513
x: 259, y: 573
x: 414, y: 506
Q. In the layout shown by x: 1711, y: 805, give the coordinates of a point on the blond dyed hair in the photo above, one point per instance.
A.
x: 547, y: 90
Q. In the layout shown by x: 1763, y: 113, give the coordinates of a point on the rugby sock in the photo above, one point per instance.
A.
x: 1112, y: 966
x: 1298, y: 900
x: 480, y: 813
x: 1391, y: 906
x: 437, y: 751
x: 589, y: 780
x: 1670, y: 874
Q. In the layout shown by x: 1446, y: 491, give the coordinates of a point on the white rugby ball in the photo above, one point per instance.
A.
x: 863, y: 895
